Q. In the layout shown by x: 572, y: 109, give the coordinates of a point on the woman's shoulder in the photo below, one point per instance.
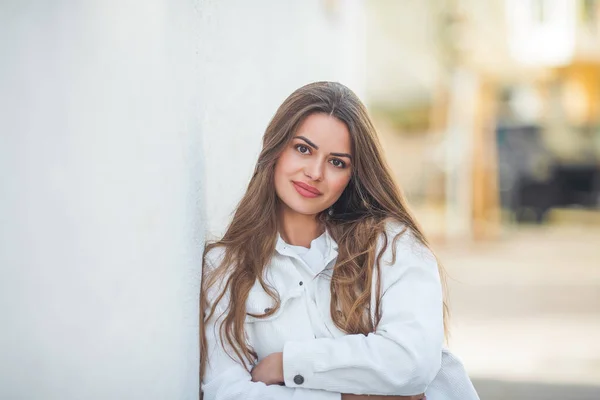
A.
x: 214, y: 278
x: 396, y: 233
x: 400, y: 238
x: 214, y: 256
x: 393, y: 227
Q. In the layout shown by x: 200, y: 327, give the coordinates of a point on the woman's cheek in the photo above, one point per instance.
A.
x: 341, y: 184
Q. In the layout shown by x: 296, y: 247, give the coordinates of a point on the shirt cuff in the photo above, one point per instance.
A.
x: 298, y: 365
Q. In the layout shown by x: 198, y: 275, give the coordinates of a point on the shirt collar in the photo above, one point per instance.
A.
x: 329, y: 252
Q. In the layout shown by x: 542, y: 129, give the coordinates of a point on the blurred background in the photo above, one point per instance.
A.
x: 129, y: 130
x: 490, y: 114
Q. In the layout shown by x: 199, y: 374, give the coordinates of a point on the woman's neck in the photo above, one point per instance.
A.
x: 299, y: 229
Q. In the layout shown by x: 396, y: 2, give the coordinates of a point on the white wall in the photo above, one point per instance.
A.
x: 126, y: 129
x: 99, y: 218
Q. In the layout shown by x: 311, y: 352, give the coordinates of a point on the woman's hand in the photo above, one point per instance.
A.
x: 269, y: 370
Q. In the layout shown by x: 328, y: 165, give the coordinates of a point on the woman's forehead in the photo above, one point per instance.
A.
x: 325, y: 131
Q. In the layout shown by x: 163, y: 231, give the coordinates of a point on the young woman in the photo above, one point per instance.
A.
x: 323, y: 286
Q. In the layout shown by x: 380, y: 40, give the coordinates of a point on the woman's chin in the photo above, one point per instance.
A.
x: 304, y: 209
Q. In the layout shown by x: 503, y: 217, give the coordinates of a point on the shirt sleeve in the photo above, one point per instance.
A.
x: 403, y: 355
x: 227, y: 379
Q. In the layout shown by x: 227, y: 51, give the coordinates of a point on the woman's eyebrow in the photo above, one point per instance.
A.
x: 317, y: 147
x: 341, y: 155
x: 307, y: 141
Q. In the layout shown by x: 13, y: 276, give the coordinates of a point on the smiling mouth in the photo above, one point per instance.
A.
x: 306, y: 190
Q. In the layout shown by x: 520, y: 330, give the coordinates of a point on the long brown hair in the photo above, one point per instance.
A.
x: 355, y: 222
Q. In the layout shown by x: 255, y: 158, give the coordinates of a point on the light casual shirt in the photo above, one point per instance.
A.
x: 313, y: 256
x: 404, y: 356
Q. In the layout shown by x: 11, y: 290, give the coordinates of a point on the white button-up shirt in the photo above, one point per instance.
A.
x: 404, y: 356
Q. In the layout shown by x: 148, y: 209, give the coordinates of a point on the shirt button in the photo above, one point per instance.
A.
x: 300, y: 283
x: 267, y: 309
x: 298, y: 379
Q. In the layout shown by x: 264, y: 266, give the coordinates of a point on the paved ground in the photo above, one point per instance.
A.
x: 506, y: 390
x: 526, y: 312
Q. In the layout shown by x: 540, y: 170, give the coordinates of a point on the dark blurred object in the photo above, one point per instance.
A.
x: 578, y: 185
x: 532, y: 180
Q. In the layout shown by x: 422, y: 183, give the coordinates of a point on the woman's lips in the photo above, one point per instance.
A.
x: 306, y: 190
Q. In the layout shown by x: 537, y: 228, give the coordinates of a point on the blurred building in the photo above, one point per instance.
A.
x: 497, y: 102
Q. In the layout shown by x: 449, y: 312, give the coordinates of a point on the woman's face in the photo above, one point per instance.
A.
x: 314, y: 169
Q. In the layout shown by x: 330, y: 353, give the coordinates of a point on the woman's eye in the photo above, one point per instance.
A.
x: 337, y: 163
x: 303, y: 149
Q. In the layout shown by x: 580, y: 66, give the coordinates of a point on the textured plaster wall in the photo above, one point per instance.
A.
x: 127, y: 130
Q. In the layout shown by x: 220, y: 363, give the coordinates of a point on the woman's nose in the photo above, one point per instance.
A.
x: 314, y: 171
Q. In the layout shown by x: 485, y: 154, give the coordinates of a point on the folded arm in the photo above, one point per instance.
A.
x: 402, y: 356
x: 227, y: 379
